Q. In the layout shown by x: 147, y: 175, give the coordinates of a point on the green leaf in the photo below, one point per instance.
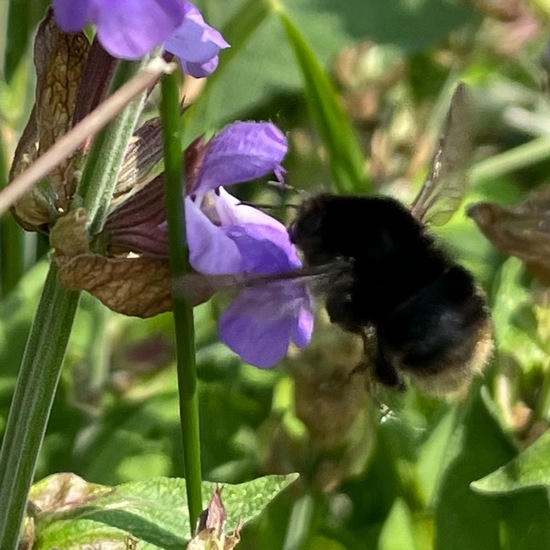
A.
x: 465, y: 519
x: 412, y: 25
x: 72, y: 512
x: 435, y: 454
x: 345, y: 155
x: 530, y: 469
x: 398, y: 530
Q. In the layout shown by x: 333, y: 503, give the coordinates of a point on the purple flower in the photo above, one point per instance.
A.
x: 196, y: 44
x: 129, y: 29
x: 226, y: 237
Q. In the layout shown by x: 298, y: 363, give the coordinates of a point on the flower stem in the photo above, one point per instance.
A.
x: 183, y: 311
x: 32, y: 402
x: 524, y: 155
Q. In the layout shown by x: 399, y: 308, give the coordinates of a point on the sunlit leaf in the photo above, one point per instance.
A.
x: 530, y: 469
x: 398, y: 530
x: 70, y: 512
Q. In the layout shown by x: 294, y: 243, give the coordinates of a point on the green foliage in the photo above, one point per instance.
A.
x: 153, y: 513
x: 528, y: 470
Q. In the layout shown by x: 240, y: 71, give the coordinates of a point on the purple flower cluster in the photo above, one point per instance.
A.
x: 129, y: 29
x: 226, y: 237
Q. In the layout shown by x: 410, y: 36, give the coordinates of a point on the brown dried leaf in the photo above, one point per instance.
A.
x: 63, y: 492
x: 522, y: 230
x: 132, y: 286
x: 210, y: 531
x: 142, y: 157
x: 59, y: 59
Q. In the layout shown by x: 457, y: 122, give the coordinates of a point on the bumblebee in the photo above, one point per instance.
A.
x: 425, y: 314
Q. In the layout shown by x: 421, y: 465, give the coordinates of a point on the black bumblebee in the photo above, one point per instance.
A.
x: 428, y: 317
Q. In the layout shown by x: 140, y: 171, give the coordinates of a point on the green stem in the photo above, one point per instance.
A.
x: 32, y: 402
x: 183, y: 311
x: 49, y: 336
x: 524, y: 155
x: 106, y: 156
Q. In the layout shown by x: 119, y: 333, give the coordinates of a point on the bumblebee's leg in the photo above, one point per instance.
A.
x: 368, y: 336
x: 386, y: 374
x: 380, y: 369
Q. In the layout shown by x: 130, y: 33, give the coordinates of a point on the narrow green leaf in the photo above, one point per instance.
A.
x: 398, y: 530
x: 22, y: 19
x: 435, y: 454
x: 345, y: 155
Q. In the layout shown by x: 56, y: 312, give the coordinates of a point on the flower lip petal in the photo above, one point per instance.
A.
x: 242, y: 151
x: 250, y: 329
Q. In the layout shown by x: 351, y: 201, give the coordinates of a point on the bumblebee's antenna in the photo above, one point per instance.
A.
x: 267, y: 206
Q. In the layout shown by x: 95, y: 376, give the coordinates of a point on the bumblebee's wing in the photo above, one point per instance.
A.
x: 446, y: 184
x: 199, y: 288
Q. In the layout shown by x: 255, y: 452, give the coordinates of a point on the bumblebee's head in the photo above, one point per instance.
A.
x: 307, y: 230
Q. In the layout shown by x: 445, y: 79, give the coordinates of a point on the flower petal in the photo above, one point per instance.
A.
x: 262, y: 321
x: 258, y: 255
x: 131, y: 28
x: 260, y: 250
x: 200, y: 70
x: 241, y: 152
x: 256, y: 225
x: 72, y: 16
x: 196, y: 43
x: 211, y: 251
x: 252, y: 329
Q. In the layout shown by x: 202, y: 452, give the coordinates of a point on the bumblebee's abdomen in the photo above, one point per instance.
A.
x: 443, y: 331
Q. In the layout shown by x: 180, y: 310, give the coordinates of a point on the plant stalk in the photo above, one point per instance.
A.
x: 32, y: 402
x: 183, y: 311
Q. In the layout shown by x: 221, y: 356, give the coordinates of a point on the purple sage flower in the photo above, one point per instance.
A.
x: 196, y: 44
x: 226, y: 237
x: 129, y: 29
